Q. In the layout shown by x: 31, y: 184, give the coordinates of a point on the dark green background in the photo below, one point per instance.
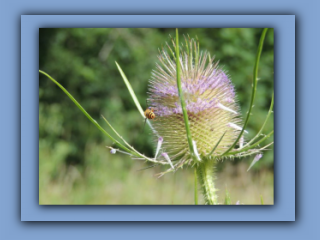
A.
x: 74, y: 165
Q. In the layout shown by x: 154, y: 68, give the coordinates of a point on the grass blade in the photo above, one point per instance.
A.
x: 227, y: 199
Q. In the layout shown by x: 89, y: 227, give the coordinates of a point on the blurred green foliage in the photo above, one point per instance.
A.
x: 74, y: 165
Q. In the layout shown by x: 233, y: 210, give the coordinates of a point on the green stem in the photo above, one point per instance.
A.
x: 195, y: 188
x: 183, y: 104
x: 206, y: 178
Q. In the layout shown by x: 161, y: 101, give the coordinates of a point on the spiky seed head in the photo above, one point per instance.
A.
x: 210, y: 102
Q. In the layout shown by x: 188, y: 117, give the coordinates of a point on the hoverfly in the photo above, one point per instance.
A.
x: 149, y: 114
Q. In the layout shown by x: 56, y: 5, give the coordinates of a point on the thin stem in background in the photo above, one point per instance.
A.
x: 254, y: 87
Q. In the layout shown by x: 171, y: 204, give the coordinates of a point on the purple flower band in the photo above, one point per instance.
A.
x: 217, y: 79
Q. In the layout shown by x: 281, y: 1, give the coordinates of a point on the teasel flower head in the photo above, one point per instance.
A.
x: 211, y: 104
x: 194, y: 115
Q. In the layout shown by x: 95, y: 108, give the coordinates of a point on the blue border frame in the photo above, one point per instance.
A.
x: 284, y: 208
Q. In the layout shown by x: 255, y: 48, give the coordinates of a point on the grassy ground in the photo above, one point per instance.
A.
x: 115, y: 179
